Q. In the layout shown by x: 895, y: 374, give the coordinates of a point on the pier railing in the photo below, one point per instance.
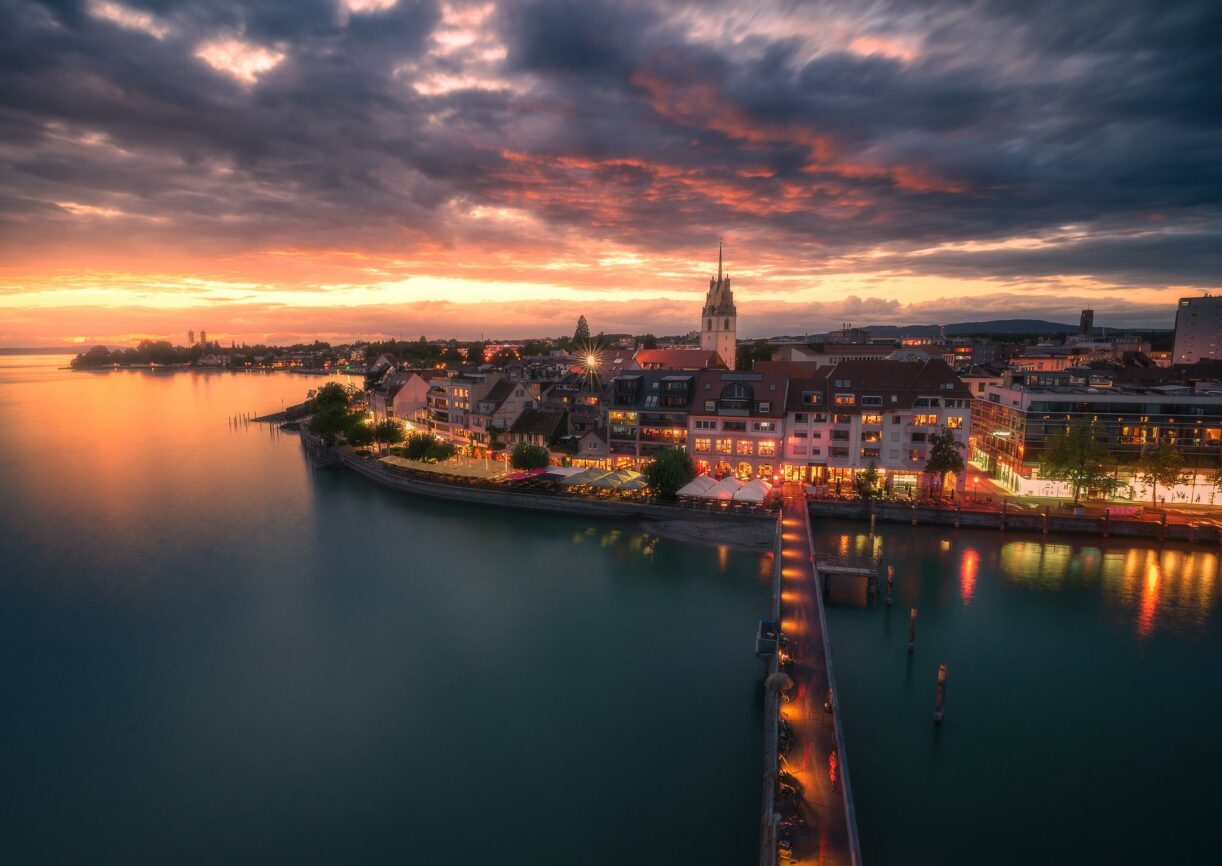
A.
x: 842, y: 758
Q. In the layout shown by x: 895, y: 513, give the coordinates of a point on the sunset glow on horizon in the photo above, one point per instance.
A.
x: 276, y: 172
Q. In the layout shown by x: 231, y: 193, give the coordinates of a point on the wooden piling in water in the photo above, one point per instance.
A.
x: 940, y: 702
x: 912, y: 615
x: 890, y: 583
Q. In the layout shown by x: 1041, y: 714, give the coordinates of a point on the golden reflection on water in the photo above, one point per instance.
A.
x: 1161, y: 588
x: 969, y: 566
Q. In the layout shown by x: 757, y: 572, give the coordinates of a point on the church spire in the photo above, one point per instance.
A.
x: 719, y: 260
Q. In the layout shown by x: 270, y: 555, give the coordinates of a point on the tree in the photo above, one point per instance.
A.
x: 867, y: 481
x: 526, y: 456
x: 494, y: 437
x: 477, y: 353
x: 669, y: 470
x: 1079, y: 459
x: 359, y: 434
x: 582, y: 334
x: 418, y: 446
x: 332, y: 420
x: 747, y: 354
x: 330, y: 394
x: 944, y: 456
x: 388, y: 432
x: 649, y: 341
x: 1162, y: 465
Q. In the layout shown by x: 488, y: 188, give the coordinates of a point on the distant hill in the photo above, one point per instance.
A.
x: 958, y: 329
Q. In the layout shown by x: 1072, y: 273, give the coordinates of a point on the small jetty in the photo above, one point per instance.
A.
x: 808, y: 814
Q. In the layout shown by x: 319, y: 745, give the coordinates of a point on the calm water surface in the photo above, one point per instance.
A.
x: 1082, y: 704
x: 212, y: 654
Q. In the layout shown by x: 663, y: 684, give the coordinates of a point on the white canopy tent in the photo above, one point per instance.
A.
x: 698, y: 486
x: 725, y: 488
x: 753, y: 491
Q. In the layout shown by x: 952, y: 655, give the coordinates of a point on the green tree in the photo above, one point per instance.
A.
x: 669, y: 470
x: 388, y: 432
x: 331, y: 420
x: 330, y: 394
x: 944, y: 456
x: 418, y: 446
x: 649, y: 341
x: 526, y: 456
x: 359, y: 433
x: 868, y: 481
x: 746, y: 354
x: 494, y: 437
x: 1161, y: 465
x: 582, y: 335
x: 1079, y: 459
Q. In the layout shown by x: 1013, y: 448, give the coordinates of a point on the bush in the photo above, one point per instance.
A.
x: 359, y: 434
x: 669, y: 471
x: 427, y: 447
x: 526, y: 456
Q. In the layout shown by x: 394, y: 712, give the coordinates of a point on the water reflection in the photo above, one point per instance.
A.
x: 1167, y: 588
x: 969, y: 566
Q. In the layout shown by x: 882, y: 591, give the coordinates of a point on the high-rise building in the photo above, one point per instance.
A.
x: 203, y: 339
x: 718, y: 326
x: 1086, y: 325
x: 190, y: 339
x: 1198, y: 325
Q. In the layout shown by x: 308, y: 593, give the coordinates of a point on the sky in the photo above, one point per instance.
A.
x: 283, y: 170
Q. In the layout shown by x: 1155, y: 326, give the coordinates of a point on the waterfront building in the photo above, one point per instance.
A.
x: 499, y: 408
x: 647, y: 411
x: 719, y: 318
x: 736, y: 422
x: 855, y: 414
x: 1198, y: 329
x: 1015, y: 420
x: 401, y: 394
x: 449, y: 403
x: 538, y: 427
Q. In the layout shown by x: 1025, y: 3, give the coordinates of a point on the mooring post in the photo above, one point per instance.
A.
x: 912, y: 614
x: 1107, y: 521
x: 872, y: 519
x: 941, y: 699
x: 1163, y: 526
x: 914, y: 514
x: 1047, y: 509
x: 958, y: 511
x: 1005, y: 504
x: 890, y: 583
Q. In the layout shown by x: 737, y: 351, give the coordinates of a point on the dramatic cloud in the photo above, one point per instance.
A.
x: 510, y: 164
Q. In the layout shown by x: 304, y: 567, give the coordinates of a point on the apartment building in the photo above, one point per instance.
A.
x: 736, y: 423
x: 858, y: 413
x: 645, y: 412
x: 1014, y: 423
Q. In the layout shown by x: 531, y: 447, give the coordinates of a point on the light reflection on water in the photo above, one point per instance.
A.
x: 1170, y: 588
x: 1159, y: 589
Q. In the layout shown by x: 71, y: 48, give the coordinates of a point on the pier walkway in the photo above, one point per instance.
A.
x: 817, y: 758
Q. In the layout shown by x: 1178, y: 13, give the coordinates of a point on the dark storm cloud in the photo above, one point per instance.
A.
x: 812, y: 130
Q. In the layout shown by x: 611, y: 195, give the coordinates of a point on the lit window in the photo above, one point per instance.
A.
x: 767, y: 448
x: 746, y: 446
x: 725, y: 446
x: 704, y: 446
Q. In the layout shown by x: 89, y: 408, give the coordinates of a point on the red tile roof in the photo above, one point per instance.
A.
x: 679, y: 359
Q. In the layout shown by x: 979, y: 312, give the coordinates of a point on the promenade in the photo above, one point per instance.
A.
x: 816, y: 759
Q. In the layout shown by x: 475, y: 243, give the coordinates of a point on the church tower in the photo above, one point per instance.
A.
x: 718, y: 326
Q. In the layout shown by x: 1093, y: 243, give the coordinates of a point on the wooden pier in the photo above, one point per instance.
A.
x: 817, y: 761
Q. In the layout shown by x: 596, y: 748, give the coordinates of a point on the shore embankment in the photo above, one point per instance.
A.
x: 1044, y: 520
x: 747, y: 529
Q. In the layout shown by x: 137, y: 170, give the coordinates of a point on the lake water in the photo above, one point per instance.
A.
x: 214, y: 654
x: 1082, y: 703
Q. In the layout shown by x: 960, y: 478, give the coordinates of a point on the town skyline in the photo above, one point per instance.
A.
x: 369, y: 167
